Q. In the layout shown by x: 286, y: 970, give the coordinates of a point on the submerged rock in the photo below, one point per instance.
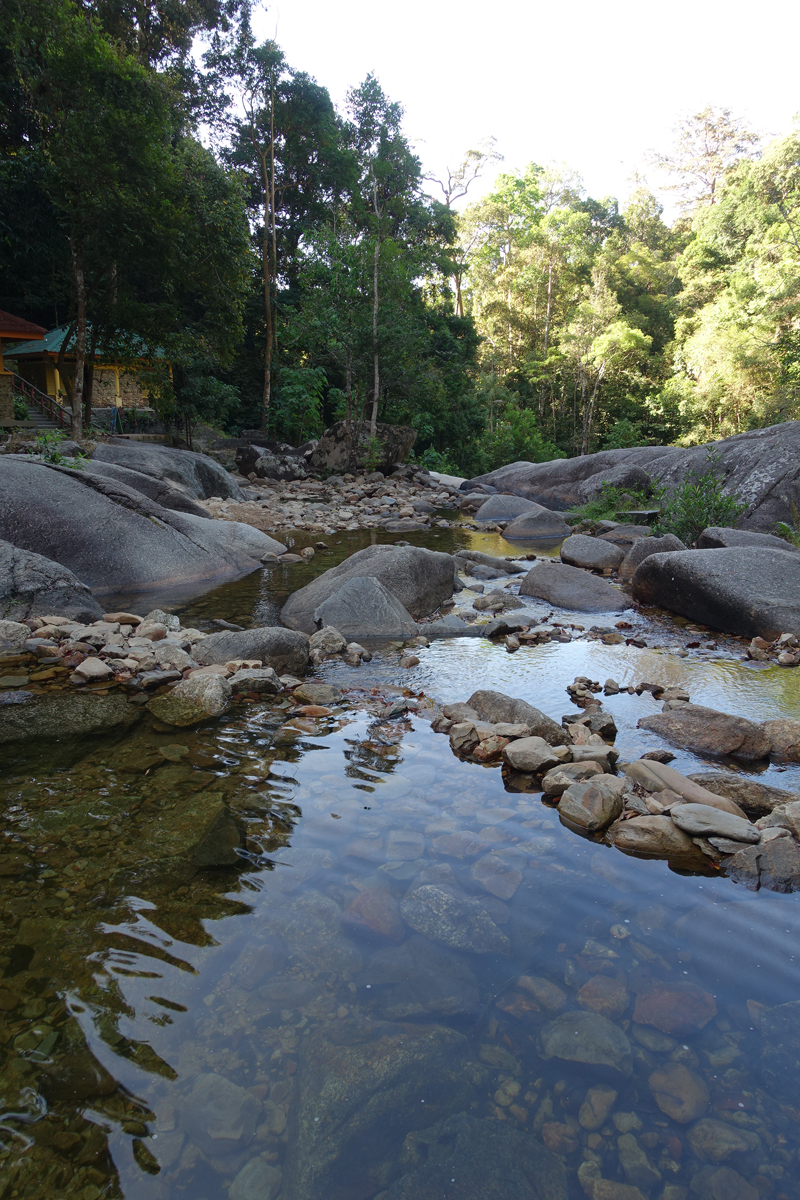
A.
x: 420, y: 978
x: 361, y: 1089
x: 680, y: 1093
x: 59, y: 715
x: 573, y: 589
x: 257, y: 1180
x: 481, y: 1160
x: 219, y: 1116
x: 587, y: 1037
x: 780, y: 1053
x: 455, y: 921
x: 198, y: 828
x: 678, y: 1008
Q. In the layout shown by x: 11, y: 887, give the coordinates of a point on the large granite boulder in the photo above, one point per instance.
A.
x: 717, y: 537
x: 364, y: 608
x: 155, y: 488
x: 535, y: 524
x: 572, y: 589
x: 114, y: 538
x: 762, y: 466
x: 750, y: 591
x: 285, y: 650
x: 420, y: 579
x: 643, y: 547
x: 33, y: 586
x: 504, y: 508
x: 755, y: 798
x: 332, y: 452
x: 592, y: 553
x: 195, y: 474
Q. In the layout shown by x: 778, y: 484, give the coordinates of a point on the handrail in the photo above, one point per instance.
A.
x: 48, y: 405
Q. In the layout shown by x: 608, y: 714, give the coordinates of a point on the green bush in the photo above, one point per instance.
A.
x: 790, y: 530
x: 21, y: 412
x: 608, y: 501
x: 699, y: 502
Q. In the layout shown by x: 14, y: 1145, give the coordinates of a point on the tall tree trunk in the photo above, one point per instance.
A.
x: 588, y: 409
x: 459, y: 297
x: 80, y: 337
x: 376, y: 372
x: 547, y: 326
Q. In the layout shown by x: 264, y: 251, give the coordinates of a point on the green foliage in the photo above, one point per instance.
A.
x: 625, y: 434
x: 21, y: 412
x: 434, y: 460
x: 609, y: 501
x: 47, y: 445
x: 297, y: 408
x: 790, y: 530
x: 698, y: 502
x: 372, y: 454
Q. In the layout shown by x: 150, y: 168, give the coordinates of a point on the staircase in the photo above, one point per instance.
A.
x: 43, y: 411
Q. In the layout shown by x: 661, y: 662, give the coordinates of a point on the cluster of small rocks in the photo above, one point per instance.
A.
x: 403, y: 502
x: 651, y: 810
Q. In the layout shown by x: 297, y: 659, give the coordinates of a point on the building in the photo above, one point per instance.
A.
x: 114, y: 385
x: 13, y: 329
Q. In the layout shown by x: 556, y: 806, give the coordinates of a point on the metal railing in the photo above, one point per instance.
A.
x: 50, y: 407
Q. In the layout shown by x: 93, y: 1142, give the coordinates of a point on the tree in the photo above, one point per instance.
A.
x: 707, y: 146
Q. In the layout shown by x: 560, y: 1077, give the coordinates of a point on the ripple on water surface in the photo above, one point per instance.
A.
x: 413, y: 981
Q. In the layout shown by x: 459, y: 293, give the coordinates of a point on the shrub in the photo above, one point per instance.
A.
x: 790, y: 530
x: 608, y: 501
x: 21, y: 412
x: 699, y: 502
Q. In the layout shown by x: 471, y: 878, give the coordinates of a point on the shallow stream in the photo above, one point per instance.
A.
x: 280, y: 1030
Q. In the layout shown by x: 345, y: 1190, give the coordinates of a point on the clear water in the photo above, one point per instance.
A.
x: 172, y: 1032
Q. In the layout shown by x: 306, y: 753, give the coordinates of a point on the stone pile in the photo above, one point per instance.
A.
x: 651, y: 810
x: 402, y: 503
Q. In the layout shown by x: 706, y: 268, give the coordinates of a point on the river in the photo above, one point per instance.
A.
x: 279, y: 1030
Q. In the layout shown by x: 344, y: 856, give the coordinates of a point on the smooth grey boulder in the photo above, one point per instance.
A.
x: 656, y: 837
x: 285, y: 650
x: 497, y: 708
x: 530, y: 754
x: 572, y: 589
x: 706, y: 731
x: 589, y: 1038
x: 195, y: 474
x: 750, y: 591
x: 536, y: 523
x: 364, y: 608
x: 34, y: 586
x: 700, y: 820
x: 761, y: 466
x: 149, y: 485
x: 465, y: 559
x: 592, y: 553
x: 57, y: 715
x: 420, y: 579
x: 503, y: 507
x: 642, y: 548
x: 720, y: 537
x: 114, y: 538
x: 488, y: 1160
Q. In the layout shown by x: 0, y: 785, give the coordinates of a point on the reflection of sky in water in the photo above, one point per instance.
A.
x: 170, y: 979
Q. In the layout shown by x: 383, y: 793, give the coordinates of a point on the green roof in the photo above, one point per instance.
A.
x: 52, y: 342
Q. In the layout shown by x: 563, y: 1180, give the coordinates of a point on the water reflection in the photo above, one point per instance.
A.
x: 408, y: 962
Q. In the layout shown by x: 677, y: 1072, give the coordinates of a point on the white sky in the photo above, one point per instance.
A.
x: 587, y: 83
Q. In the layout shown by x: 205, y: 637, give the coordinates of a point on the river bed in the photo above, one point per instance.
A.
x: 282, y: 1030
